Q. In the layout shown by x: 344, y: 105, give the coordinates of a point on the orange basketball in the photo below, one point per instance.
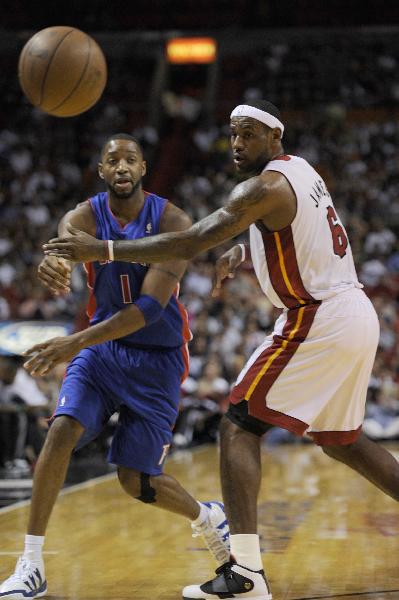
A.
x: 62, y: 71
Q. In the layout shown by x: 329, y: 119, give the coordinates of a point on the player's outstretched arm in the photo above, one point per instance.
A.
x: 249, y: 201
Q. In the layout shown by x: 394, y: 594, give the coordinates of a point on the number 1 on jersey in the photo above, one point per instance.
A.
x: 340, y: 241
x: 126, y: 293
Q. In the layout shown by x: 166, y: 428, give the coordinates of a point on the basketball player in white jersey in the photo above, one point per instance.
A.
x: 311, y: 374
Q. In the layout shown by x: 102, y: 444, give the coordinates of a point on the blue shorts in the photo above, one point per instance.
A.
x: 142, y: 385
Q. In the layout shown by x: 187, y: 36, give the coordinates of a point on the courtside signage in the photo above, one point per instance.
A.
x: 17, y: 336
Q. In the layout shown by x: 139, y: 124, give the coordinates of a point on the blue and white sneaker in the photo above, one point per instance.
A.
x: 27, y: 581
x: 215, y: 532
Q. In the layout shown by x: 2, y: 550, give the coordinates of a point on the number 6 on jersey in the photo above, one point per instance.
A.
x: 340, y: 241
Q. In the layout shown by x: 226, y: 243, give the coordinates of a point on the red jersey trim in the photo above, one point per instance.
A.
x: 186, y: 362
x: 91, y: 303
x: 282, y: 157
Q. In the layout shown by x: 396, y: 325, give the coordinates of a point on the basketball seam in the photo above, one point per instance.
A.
x: 81, y: 110
x: 48, y: 66
x: 79, y: 80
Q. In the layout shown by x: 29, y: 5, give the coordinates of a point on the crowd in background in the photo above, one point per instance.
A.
x: 47, y: 166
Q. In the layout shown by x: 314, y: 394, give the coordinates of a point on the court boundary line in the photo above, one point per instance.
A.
x: 346, y: 595
x: 91, y: 482
x: 18, y: 553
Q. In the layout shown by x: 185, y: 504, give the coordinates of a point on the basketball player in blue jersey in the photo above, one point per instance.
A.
x: 132, y: 359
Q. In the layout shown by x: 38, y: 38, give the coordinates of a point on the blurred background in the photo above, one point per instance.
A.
x: 332, y: 68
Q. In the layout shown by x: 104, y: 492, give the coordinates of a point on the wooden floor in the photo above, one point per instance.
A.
x: 326, y: 533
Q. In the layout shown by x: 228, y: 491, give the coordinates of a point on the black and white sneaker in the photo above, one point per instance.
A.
x: 231, y: 581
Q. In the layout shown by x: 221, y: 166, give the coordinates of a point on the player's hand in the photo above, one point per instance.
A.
x: 226, y: 266
x: 55, y: 274
x: 45, y: 356
x: 78, y: 246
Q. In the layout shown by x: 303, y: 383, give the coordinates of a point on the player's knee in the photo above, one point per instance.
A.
x: 137, y: 484
x: 64, y: 433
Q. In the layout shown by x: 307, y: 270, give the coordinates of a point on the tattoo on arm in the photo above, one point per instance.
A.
x: 245, y: 206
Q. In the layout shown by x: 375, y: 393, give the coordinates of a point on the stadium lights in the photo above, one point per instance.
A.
x: 191, y: 50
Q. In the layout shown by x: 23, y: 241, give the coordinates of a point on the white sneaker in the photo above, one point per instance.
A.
x: 232, y: 581
x: 215, y: 532
x: 27, y: 581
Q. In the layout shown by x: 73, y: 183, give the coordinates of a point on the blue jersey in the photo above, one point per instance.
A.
x: 115, y: 285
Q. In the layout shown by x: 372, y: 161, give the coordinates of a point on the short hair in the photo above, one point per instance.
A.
x: 122, y: 136
x: 266, y: 106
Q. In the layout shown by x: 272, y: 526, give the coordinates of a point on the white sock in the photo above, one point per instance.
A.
x: 33, y: 547
x: 204, y: 512
x: 245, y: 549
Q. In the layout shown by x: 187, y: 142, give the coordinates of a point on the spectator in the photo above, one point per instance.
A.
x: 22, y: 410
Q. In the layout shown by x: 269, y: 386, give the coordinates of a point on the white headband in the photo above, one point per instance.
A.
x: 243, y: 110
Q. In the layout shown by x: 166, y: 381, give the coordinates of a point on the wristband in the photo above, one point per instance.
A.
x: 110, y: 244
x: 243, y: 252
x: 150, y: 308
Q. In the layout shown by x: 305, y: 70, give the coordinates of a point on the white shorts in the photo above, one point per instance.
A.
x: 311, y: 374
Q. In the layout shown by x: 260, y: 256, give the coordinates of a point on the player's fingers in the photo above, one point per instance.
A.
x: 39, y: 364
x: 35, y: 349
x: 217, y: 282
x: 57, y: 243
x: 67, y: 266
x: 31, y: 364
x: 223, y: 270
x: 215, y: 292
x: 58, y: 282
x: 67, y: 254
x: 35, y: 370
x: 63, y: 276
x: 57, y: 265
x: 55, y: 289
x: 52, y: 289
x: 55, y: 282
x: 44, y: 368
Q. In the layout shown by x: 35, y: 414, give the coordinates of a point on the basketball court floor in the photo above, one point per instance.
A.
x: 325, y: 534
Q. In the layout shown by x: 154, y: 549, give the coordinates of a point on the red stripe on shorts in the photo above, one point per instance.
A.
x: 335, y: 438
x: 262, y: 374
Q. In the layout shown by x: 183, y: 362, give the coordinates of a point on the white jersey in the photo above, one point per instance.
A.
x: 311, y: 259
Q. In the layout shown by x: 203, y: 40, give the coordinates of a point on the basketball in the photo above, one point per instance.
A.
x: 62, y: 71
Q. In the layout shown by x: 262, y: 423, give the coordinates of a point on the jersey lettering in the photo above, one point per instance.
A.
x: 340, y: 241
